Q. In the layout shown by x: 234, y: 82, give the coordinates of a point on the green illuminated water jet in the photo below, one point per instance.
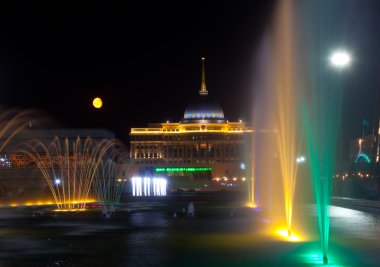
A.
x: 321, y: 120
x: 321, y: 109
x: 304, y: 94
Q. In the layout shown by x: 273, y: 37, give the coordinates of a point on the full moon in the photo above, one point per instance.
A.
x: 97, y: 102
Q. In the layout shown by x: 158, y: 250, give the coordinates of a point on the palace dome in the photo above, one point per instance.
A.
x: 203, y: 110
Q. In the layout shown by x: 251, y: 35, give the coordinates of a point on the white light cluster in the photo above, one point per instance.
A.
x: 148, y: 186
x: 4, y: 161
x: 340, y: 59
x: 300, y: 159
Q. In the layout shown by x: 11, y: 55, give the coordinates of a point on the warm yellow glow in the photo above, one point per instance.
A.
x: 251, y: 187
x: 284, y: 234
x: 97, y: 102
x: 178, y: 128
x: 47, y: 202
x: 58, y: 210
x: 251, y: 205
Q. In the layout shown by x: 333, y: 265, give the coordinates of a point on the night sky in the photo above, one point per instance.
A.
x: 143, y: 59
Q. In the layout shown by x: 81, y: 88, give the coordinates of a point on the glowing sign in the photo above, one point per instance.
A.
x: 184, y: 169
x: 364, y: 156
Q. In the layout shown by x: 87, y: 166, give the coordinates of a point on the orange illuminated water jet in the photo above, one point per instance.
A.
x: 69, y: 167
x: 48, y: 202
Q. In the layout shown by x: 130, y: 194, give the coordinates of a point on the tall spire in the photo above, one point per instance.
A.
x: 203, y: 90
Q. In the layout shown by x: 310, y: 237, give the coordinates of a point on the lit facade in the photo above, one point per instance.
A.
x: 204, y: 138
x: 178, y: 143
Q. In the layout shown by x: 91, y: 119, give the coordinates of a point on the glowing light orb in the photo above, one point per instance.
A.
x: 97, y: 102
x: 340, y: 59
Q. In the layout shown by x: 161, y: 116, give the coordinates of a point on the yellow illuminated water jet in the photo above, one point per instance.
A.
x: 286, y: 103
x: 251, y: 188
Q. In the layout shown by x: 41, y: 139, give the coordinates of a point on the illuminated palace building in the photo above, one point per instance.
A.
x: 202, y: 147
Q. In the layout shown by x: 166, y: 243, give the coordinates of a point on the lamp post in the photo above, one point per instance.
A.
x: 340, y: 59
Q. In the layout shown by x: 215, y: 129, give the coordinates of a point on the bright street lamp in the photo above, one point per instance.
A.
x: 340, y: 59
x: 300, y: 159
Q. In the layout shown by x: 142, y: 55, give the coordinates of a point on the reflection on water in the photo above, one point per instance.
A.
x: 356, y: 223
x: 151, y: 219
x: 146, y: 234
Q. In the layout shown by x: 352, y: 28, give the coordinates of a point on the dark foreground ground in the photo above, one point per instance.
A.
x: 145, y: 233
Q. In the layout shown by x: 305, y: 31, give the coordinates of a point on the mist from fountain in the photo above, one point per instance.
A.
x: 110, y: 179
x: 299, y: 96
x: 276, y: 122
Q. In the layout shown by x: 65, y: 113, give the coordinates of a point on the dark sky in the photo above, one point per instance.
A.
x: 143, y: 59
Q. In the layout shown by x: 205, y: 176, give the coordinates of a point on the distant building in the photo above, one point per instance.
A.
x: 365, y: 151
x: 203, y: 146
x: 362, y: 150
x: 360, y: 177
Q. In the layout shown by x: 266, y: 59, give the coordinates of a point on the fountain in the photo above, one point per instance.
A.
x: 148, y: 186
x: 69, y: 167
x: 109, y: 179
x: 12, y: 123
x: 321, y: 107
x: 301, y: 98
x: 279, y: 125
